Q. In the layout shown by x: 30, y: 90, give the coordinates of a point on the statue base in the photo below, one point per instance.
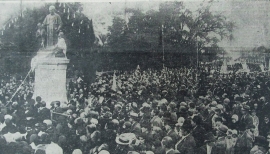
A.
x: 50, y: 77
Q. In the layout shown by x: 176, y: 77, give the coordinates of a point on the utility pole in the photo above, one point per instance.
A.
x: 197, y: 67
x: 162, y: 35
x: 21, y: 8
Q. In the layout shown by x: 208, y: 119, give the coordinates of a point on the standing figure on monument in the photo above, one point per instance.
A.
x: 53, y: 23
x: 41, y: 35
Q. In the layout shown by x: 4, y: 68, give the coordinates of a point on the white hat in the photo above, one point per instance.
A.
x: 47, y: 122
x: 103, y: 152
x: 235, y: 117
x: 219, y: 106
x: 52, y: 7
x: 94, y: 121
x: 180, y: 121
x: 77, y: 151
x: 125, y: 139
x: 133, y: 114
x: 234, y: 131
x: 8, y: 117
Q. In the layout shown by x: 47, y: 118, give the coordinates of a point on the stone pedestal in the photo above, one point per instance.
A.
x: 50, y: 79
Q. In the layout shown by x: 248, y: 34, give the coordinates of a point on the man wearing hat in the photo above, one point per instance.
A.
x: 198, y: 132
x: 237, y: 106
x: 167, y: 143
x: 245, y: 141
x: 43, y: 112
x: 220, y: 144
x: 208, y: 121
x: 10, y: 127
x: 124, y: 143
x: 135, y: 126
x: 264, y: 107
x: 171, y: 133
x: 186, y: 144
x: 208, y: 144
x: 264, y: 126
x: 246, y: 119
x: 260, y: 145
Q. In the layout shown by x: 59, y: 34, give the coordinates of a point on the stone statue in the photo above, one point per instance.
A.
x: 60, y: 48
x: 53, y: 24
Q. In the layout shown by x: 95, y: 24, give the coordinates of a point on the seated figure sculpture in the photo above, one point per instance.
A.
x: 61, y: 47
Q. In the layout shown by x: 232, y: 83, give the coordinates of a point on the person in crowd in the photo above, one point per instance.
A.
x: 43, y: 112
x: 220, y: 144
x: 168, y: 145
x: 151, y: 111
x: 255, y: 122
x: 264, y: 126
x: 198, y: 131
x: 246, y: 119
x: 261, y: 145
x: 245, y: 140
x: 209, y: 142
x: 234, y: 123
x: 187, y: 142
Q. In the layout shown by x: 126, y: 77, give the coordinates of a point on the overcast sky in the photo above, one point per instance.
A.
x: 251, y: 17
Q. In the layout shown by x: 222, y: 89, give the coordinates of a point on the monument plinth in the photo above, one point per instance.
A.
x: 50, y: 63
x: 50, y: 77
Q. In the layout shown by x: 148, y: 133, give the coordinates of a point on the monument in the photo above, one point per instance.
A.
x: 50, y: 63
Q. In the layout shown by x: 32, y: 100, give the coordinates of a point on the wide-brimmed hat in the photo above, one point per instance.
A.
x: 245, y: 108
x: 133, y: 114
x: 107, y: 115
x: 223, y: 129
x: 125, y: 139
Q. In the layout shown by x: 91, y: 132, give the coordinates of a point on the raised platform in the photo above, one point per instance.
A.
x: 50, y: 77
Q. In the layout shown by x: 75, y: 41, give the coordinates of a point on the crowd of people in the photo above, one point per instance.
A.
x: 166, y: 111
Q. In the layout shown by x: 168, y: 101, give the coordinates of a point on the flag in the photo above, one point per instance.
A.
x: 114, y: 82
x: 138, y: 67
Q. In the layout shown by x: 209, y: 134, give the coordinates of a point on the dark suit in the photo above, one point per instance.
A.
x: 264, y: 110
x: 208, y: 122
x: 186, y: 145
x: 43, y: 114
x: 220, y: 146
x: 173, y: 135
x: 136, y: 128
x: 245, y: 122
x: 202, y: 150
x: 244, y: 143
x: 198, y: 133
x: 264, y: 128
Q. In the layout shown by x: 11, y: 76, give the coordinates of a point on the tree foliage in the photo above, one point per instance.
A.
x: 20, y: 34
x: 173, y: 26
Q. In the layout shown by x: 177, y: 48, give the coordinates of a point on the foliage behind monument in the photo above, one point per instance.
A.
x: 20, y: 36
x: 173, y: 26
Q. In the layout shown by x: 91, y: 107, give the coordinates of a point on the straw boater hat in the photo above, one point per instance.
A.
x: 125, y: 139
x: 223, y: 129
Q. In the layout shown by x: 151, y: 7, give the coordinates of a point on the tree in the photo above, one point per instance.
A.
x: 175, y: 26
x: 117, y: 38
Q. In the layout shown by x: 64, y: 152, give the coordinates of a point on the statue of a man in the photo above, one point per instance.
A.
x: 53, y: 23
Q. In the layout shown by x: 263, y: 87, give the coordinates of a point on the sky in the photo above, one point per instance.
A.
x: 250, y: 17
